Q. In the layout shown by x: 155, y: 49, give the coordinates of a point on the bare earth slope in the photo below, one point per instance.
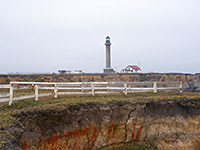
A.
x: 172, y: 124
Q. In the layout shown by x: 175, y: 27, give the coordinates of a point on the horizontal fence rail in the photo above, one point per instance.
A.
x: 74, y: 88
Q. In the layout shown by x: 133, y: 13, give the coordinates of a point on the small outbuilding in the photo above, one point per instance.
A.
x: 131, y: 69
x: 63, y: 71
x: 78, y: 71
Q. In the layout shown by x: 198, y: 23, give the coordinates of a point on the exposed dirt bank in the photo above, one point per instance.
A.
x: 172, y: 124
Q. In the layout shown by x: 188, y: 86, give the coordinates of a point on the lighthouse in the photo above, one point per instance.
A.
x: 108, y: 68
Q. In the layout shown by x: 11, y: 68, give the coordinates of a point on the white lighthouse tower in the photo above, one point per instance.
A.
x: 108, y: 68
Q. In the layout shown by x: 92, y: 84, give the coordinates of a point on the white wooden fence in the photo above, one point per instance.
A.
x: 72, y: 88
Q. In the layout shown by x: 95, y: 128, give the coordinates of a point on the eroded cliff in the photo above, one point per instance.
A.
x: 171, y: 124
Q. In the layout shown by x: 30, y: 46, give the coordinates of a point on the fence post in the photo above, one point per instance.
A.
x: 82, y: 87
x: 155, y: 87
x: 56, y: 91
x: 36, y: 92
x: 32, y: 86
x: 125, y: 89
x: 181, y: 87
x: 92, y: 90
x: 11, y: 94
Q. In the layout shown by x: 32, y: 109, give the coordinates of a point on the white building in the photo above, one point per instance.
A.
x: 78, y: 71
x: 131, y: 69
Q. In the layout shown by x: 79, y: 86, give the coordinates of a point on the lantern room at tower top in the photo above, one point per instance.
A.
x: 107, y: 39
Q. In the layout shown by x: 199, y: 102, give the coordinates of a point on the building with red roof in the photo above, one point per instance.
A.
x: 131, y: 69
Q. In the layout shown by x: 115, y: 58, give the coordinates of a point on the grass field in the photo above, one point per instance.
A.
x: 50, y: 103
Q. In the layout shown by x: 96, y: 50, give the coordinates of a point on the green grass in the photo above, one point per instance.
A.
x: 50, y: 103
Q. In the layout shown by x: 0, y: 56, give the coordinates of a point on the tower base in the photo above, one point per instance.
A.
x: 108, y: 70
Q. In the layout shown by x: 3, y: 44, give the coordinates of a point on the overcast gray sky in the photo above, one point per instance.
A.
x: 47, y: 35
